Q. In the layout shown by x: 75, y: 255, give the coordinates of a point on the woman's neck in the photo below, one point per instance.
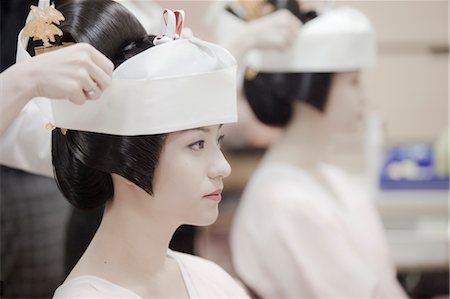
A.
x: 305, y: 141
x: 130, y: 246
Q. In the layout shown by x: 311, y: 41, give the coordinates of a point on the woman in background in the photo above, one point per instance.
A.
x: 303, y: 229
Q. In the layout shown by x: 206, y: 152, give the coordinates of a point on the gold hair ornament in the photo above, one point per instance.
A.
x: 51, y: 127
x: 41, y: 25
x: 250, y: 74
x: 256, y: 8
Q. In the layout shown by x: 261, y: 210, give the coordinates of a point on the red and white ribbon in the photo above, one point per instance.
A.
x: 171, y: 27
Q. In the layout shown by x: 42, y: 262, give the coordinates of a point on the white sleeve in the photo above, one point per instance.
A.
x: 26, y: 144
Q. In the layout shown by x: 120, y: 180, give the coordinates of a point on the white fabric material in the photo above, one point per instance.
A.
x: 177, y: 85
x: 202, y: 278
x: 26, y: 143
x: 291, y: 238
x: 339, y: 39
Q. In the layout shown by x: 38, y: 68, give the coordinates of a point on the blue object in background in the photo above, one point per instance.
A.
x: 411, y: 167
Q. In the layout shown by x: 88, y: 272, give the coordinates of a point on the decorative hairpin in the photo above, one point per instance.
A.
x: 41, y: 25
x: 250, y: 74
x: 256, y: 8
x: 51, y: 127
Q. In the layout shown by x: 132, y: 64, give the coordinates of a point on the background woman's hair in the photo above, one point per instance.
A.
x: 84, y: 161
x: 271, y: 95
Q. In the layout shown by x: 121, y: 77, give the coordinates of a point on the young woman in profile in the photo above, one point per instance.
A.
x: 149, y: 150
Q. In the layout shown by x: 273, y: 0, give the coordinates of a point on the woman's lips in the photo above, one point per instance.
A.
x: 216, y: 195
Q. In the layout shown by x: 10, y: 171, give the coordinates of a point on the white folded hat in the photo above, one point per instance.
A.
x: 339, y: 39
x: 176, y: 85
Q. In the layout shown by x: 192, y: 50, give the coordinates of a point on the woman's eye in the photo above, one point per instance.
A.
x: 199, y: 145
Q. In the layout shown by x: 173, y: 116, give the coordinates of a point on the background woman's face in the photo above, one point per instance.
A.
x: 190, y: 167
x: 345, y: 102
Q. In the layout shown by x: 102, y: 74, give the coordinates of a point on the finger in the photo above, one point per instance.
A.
x: 77, y: 94
x: 93, y: 92
x: 286, y: 40
x: 295, y: 20
x: 290, y: 42
x: 293, y: 33
x: 97, y: 74
x: 100, y: 60
x: 78, y: 98
x: 282, y: 45
x: 295, y: 26
x: 90, y: 88
x: 281, y: 42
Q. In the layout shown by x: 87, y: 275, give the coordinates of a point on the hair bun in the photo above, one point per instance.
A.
x: 133, y: 48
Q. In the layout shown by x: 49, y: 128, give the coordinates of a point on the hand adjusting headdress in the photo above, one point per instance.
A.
x: 339, y: 39
x: 176, y: 85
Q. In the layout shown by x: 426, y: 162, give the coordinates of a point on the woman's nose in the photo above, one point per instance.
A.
x: 220, y: 167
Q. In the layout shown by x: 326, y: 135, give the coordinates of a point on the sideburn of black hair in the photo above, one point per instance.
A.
x: 269, y: 99
x: 313, y: 88
x: 84, y: 187
x: 270, y: 95
x: 84, y: 161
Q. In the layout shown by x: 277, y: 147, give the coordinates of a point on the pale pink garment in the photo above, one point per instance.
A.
x: 202, y: 278
x: 292, y: 238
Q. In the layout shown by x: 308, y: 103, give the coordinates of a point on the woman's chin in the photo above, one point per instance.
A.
x: 206, y: 219
x: 352, y: 125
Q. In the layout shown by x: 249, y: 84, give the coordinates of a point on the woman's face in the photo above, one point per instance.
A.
x: 188, y: 178
x: 344, y: 108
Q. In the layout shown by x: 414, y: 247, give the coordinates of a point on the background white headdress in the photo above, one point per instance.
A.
x: 339, y: 39
x: 176, y: 85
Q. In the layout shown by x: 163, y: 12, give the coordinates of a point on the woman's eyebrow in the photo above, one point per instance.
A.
x: 203, y: 129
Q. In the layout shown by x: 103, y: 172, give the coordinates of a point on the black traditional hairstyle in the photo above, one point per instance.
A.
x: 84, y: 161
x: 271, y: 95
